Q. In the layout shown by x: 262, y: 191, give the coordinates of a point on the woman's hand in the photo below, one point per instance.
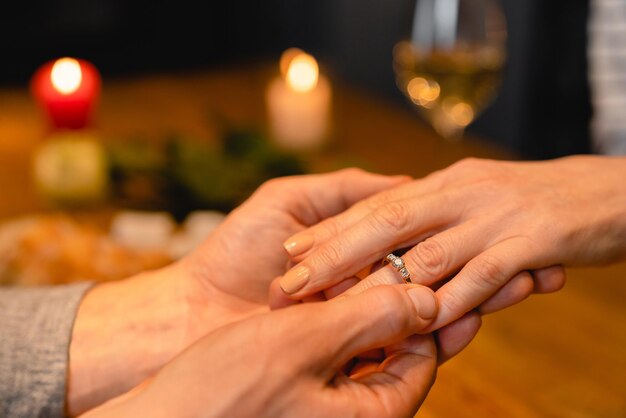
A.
x: 126, y: 330
x: 485, y: 224
x: 304, y: 360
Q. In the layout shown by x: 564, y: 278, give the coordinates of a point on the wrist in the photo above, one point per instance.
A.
x: 125, y: 405
x: 589, y: 193
x: 124, y: 332
x: 611, y: 213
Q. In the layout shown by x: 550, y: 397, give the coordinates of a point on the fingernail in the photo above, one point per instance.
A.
x: 299, y: 244
x: 425, y: 301
x: 294, y: 280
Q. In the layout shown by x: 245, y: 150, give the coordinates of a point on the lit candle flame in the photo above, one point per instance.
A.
x: 66, y: 75
x: 303, y: 73
x: 285, y: 59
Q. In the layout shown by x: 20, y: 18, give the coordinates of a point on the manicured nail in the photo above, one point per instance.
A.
x: 295, y: 279
x: 299, y: 244
x: 425, y: 301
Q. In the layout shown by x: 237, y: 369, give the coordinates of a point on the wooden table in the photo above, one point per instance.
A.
x: 561, y: 355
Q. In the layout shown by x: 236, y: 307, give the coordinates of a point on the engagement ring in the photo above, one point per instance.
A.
x: 398, y: 263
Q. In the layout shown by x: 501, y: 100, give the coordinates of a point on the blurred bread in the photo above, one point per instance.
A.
x: 55, y: 249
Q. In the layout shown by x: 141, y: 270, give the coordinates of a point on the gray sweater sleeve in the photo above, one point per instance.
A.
x: 35, y: 329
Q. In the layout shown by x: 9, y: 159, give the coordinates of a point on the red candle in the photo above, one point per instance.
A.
x: 67, y: 89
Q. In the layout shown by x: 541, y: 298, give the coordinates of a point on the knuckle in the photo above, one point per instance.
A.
x: 352, y: 172
x: 489, y: 272
x: 429, y: 256
x: 465, y: 164
x: 331, y: 257
x: 273, y: 185
x: 469, y: 167
x: 347, y: 176
x: 455, y: 172
x: 453, y: 302
x: 393, y: 215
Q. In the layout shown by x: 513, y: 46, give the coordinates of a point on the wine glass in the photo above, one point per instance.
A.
x: 450, y: 64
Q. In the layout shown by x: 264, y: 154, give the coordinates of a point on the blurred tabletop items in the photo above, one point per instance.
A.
x: 139, y: 170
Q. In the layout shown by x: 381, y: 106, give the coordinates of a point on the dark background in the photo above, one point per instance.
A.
x: 543, y: 109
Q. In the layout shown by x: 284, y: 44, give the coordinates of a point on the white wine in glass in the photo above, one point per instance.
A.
x: 450, y: 67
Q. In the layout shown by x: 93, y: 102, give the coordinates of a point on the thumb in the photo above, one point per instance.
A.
x: 376, y: 318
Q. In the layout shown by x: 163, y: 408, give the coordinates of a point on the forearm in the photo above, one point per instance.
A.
x: 124, y: 332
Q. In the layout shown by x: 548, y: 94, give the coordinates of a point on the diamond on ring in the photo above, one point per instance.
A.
x: 398, y: 263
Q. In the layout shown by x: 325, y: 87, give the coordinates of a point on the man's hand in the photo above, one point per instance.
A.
x: 125, y: 331
x: 304, y: 360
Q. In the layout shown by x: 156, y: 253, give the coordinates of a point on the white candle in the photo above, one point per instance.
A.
x: 299, y: 103
x: 72, y: 168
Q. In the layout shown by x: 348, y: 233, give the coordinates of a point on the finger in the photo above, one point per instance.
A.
x: 549, y: 279
x: 372, y: 319
x: 433, y: 259
x: 403, y: 380
x: 339, y: 288
x: 481, y: 278
x: 313, y: 198
x: 277, y: 298
x: 436, y: 257
x: 384, y: 276
x: 391, y: 226
x: 332, y: 226
x: 514, y: 291
x: 442, y: 254
x: 454, y: 337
